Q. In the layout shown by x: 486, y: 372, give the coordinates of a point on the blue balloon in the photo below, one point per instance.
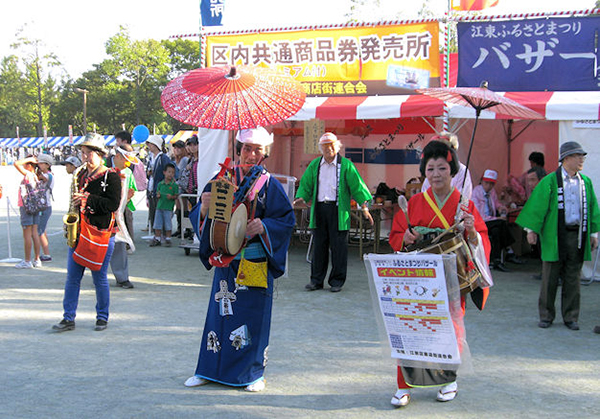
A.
x: 140, y: 133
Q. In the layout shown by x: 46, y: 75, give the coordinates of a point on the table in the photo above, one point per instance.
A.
x: 359, y: 228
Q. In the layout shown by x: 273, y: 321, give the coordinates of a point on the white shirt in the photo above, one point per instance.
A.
x: 572, y: 196
x: 327, y: 180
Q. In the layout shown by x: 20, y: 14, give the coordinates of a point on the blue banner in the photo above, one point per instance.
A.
x: 530, y: 55
x: 395, y: 156
x: 212, y: 12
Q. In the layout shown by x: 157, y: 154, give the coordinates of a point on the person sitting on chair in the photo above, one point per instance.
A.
x: 494, y: 213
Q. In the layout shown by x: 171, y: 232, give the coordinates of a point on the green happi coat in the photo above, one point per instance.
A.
x: 540, y: 214
x: 350, y: 185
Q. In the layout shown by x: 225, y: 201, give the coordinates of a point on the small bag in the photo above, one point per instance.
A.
x: 93, y: 244
x: 35, y: 199
x: 252, y: 274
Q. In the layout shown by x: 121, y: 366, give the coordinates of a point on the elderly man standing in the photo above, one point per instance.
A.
x: 329, y: 182
x: 563, y: 210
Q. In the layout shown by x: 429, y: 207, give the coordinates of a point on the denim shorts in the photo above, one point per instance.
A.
x: 162, y: 220
x: 28, y: 219
x: 43, y: 221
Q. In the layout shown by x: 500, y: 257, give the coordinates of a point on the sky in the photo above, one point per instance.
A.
x: 76, y: 30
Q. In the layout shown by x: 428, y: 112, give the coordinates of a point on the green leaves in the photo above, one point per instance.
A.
x: 124, y: 88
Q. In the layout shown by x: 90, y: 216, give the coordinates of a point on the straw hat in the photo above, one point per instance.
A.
x: 95, y: 142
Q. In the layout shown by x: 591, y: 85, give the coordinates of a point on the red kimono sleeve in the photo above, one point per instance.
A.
x: 399, y: 226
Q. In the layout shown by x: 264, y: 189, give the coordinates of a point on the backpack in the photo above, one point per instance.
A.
x: 35, y: 199
x: 139, y: 174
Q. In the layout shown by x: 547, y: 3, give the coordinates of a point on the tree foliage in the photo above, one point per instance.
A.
x: 123, y: 90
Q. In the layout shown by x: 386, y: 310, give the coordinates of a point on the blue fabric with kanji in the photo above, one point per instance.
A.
x: 235, y: 337
x: 557, y: 54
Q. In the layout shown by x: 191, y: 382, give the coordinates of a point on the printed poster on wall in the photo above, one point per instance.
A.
x: 413, y: 299
x: 557, y: 54
x: 346, y: 61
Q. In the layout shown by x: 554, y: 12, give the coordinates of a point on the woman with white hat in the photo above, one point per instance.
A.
x: 45, y: 162
x: 29, y: 219
x: 156, y: 167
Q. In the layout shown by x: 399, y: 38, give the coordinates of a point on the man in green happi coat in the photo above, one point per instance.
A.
x: 563, y: 210
x: 330, y: 182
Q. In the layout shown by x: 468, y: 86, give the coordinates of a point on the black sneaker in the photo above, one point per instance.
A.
x: 64, y: 326
x: 126, y: 284
x: 100, y: 325
x: 154, y: 243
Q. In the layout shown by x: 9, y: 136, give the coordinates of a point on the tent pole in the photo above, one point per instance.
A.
x: 510, y: 140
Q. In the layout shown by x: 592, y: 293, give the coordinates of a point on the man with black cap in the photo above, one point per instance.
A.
x: 563, y: 210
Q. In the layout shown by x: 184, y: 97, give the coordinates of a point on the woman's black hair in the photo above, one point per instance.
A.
x: 436, y: 149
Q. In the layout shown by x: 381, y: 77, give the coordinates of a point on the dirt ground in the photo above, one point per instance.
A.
x: 325, y: 359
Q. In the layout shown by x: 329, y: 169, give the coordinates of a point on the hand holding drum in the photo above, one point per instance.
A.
x: 254, y: 227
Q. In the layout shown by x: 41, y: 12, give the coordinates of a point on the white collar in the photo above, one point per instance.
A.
x: 333, y: 162
x: 566, y: 175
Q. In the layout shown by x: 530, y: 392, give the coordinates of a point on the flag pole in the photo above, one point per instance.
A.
x: 200, y: 37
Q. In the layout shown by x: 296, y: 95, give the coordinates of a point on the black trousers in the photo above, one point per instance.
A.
x: 569, y: 271
x: 326, y: 238
x: 500, y: 237
x: 152, y: 201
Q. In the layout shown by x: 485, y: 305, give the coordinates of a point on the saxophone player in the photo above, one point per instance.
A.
x: 96, y: 198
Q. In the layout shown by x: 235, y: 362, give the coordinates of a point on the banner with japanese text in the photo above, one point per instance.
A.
x: 530, y: 55
x: 348, y: 61
x: 211, y: 12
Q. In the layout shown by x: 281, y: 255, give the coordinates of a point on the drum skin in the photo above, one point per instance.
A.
x: 228, y: 238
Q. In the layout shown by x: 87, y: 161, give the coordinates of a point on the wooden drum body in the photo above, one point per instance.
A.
x: 466, y: 268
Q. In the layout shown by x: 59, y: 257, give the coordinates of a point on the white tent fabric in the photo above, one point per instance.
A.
x: 56, y: 141
x: 212, y: 149
x: 556, y: 106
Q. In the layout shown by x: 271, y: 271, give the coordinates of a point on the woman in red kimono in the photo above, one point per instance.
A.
x: 439, y: 164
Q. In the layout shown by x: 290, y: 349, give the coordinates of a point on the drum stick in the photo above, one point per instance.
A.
x: 403, y: 205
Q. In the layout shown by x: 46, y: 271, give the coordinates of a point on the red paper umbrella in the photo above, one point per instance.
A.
x: 232, y: 98
x: 480, y: 99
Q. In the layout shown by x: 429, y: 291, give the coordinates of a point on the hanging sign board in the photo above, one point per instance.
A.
x: 346, y: 61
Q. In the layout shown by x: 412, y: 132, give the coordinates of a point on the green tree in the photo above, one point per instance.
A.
x: 38, y: 86
x: 12, y: 114
x: 184, y: 55
x: 143, y: 65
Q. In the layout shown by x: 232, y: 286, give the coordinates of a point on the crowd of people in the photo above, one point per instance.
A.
x: 560, y: 210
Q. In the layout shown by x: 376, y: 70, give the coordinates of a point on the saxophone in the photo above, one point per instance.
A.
x: 71, y: 219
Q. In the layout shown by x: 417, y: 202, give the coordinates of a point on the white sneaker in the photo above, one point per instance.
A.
x: 37, y: 263
x: 401, y: 398
x: 24, y: 264
x: 195, y: 381
x: 447, y: 393
x: 257, y: 386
